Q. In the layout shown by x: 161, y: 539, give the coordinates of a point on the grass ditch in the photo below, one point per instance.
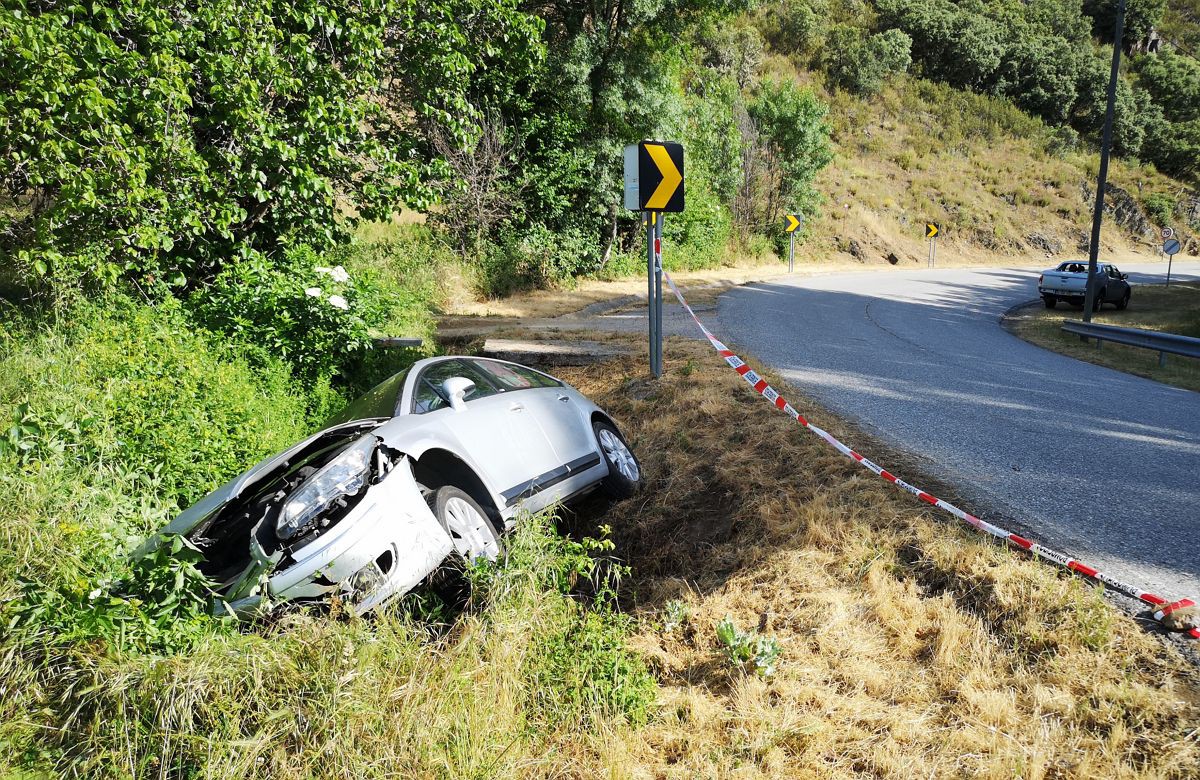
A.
x: 1174, y: 309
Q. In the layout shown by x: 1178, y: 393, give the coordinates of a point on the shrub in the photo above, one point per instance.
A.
x: 140, y: 388
x: 312, y: 316
x: 793, y: 26
x: 746, y: 647
x: 861, y: 63
x: 1160, y: 207
x: 536, y: 256
x: 161, y: 604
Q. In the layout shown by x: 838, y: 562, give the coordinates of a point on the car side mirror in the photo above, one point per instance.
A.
x: 1124, y: 277
x: 456, y: 389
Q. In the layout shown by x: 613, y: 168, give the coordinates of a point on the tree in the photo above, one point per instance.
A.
x: 786, y: 145
x: 1141, y: 16
x: 861, y: 63
x: 164, y: 138
x: 1173, y: 80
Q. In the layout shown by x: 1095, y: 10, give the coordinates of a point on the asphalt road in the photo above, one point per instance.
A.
x: 1102, y: 465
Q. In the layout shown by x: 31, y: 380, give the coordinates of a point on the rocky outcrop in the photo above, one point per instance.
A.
x: 1123, y: 209
x: 1051, y: 246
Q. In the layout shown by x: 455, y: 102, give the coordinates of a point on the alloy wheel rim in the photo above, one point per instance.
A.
x: 467, y: 531
x: 619, y: 455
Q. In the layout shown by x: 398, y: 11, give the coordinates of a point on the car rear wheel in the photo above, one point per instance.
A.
x: 1099, y: 299
x: 1124, y: 304
x: 624, y: 472
x: 467, y: 524
x: 1050, y: 301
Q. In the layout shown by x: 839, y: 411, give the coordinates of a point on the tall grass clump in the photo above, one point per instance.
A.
x: 518, y: 683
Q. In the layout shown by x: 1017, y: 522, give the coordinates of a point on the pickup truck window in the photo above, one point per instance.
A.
x: 1073, y: 268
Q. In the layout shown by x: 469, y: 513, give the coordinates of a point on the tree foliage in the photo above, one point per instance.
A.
x: 862, y: 63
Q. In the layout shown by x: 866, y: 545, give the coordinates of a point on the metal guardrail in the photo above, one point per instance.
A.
x: 1162, y: 343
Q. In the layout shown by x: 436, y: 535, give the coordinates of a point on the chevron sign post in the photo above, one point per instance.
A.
x: 792, y: 223
x: 654, y: 186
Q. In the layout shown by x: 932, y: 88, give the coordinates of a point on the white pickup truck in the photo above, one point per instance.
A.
x: 1068, y: 283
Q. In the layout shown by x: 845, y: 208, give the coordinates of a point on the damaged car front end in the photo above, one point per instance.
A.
x: 340, y: 513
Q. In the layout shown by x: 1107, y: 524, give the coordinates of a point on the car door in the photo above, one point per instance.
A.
x: 496, y: 429
x: 555, y: 410
x: 1116, y: 284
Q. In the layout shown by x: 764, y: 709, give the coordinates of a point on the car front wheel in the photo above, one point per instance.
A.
x: 1124, y: 303
x: 624, y: 472
x: 467, y: 524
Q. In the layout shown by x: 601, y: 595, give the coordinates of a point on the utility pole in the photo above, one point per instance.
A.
x: 1102, y: 178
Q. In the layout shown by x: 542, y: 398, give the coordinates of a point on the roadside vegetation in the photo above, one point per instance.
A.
x: 208, y: 212
x: 805, y: 618
x: 1174, y: 309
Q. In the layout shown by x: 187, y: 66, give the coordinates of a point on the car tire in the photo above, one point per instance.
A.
x: 1050, y: 301
x: 1124, y: 302
x: 624, y: 471
x: 1098, y: 301
x: 467, y: 523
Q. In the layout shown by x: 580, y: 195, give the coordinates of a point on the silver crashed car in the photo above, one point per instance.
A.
x: 435, y: 461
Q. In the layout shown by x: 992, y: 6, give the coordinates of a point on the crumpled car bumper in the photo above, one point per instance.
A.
x: 385, y: 546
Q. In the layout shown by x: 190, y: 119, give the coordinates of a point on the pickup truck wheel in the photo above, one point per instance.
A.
x: 1050, y: 300
x: 1099, y: 300
x: 1124, y: 302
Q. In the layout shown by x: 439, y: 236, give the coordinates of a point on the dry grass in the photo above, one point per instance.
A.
x: 981, y: 170
x: 1174, y: 309
x: 910, y: 648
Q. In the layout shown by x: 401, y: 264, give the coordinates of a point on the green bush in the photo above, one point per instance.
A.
x: 861, y: 63
x: 537, y: 256
x: 140, y: 388
x: 162, y: 139
x: 314, y: 317
x: 162, y: 604
x: 1160, y: 208
x: 793, y: 26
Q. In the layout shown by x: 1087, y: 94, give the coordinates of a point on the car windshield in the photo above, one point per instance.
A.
x: 383, y: 400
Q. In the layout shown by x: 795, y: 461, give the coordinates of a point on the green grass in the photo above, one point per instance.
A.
x: 1174, y: 309
x: 117, y: 414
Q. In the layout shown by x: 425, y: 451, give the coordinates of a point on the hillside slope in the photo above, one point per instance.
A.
x: 993, y: 178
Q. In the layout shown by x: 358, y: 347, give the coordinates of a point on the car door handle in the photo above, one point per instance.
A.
x: 565, y: 398
x: 516, y: 407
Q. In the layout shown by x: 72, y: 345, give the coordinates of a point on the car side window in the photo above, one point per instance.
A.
x: 509, y: 377
x: 428, y: 395
x: 1114, y: 272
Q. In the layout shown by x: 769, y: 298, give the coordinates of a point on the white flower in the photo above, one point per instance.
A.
x: 95, y: 594
x: 338, y: 273
x: 338, y: 302
x: 313, y: 292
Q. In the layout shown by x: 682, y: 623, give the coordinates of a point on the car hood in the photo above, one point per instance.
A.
x: 189, y: 518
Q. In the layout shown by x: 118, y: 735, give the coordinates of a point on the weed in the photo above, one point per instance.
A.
x: 675, y: 614
x: 747, y: 647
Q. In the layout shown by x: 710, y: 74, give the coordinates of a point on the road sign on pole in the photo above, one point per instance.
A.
x: 794, y: 223
x: 1171, y: 247
x: 932, y: 231
x: 1168, y: 233
x: 654, y: 176
x: 654, y: 186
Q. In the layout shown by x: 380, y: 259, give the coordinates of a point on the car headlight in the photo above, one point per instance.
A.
x: 345, y: 475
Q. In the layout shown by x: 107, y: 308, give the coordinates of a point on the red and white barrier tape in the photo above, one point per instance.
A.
x: 766, y: 391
